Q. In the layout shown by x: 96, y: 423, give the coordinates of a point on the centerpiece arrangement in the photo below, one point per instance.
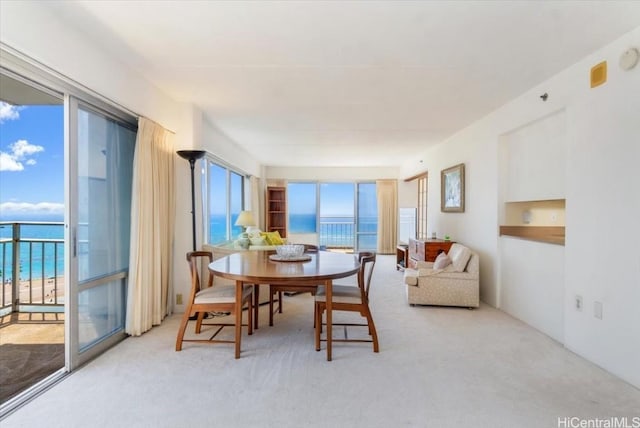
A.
x: 290, y: 253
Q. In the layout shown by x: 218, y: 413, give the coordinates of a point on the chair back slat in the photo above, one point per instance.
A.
x: 196, y: 260
x: 367, y: 263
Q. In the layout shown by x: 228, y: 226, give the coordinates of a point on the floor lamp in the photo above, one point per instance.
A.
x: 192, y: 156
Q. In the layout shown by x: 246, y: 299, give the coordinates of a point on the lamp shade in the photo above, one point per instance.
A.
x: 245, y: 219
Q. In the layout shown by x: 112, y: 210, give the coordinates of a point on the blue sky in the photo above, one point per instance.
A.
x: 336, y: 199
x: 31, y: 161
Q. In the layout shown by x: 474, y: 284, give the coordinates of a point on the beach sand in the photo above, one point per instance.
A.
x: 32, y: 292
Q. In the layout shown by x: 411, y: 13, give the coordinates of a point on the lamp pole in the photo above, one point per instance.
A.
x: 192, y: 156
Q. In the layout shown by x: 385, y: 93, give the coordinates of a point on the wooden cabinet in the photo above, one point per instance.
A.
x: 426, y: 250
x: 276, y: 203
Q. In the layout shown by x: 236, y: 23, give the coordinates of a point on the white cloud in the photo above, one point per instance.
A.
x: 20, y: 150
x: 8, y: 112
x: 26, y: 207
x: 8, y: 163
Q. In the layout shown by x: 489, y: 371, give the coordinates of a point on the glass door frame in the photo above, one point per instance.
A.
x: 75, y: 355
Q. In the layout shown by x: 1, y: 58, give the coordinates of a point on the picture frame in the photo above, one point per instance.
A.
x: 452, y: 189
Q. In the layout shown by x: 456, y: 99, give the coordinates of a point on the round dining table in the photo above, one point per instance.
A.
x: 259, y: 267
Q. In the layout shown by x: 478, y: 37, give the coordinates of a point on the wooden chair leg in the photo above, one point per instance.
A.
x: 256, y: 304
x: 250, y: 316
x: 372, y: 330
x: 199, y: 322
x: 238, y: 326
x: 183, y: 328
x: 280, y: 301
x: 270, y: 308
x: 318, y: 321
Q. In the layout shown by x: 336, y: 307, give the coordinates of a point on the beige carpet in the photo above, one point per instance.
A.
x: 437, y: 367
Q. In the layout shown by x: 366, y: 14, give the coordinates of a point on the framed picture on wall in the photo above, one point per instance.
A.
x: 452, y: 189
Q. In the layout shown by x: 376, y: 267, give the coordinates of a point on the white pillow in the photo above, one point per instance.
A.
x: 442, y: 261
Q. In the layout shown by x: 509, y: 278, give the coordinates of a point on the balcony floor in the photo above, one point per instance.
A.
x: 31, y: 348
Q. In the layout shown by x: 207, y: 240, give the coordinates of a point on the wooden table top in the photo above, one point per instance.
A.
x: 256, y: 267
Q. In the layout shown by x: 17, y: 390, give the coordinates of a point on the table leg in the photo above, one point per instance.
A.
x: 238, y: 314
x: 256, y: 304
x: 329, y: 291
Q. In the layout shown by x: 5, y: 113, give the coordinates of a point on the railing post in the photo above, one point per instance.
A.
x: 15, y: 278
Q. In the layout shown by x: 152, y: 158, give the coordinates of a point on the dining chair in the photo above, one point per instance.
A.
x: 275, y: 289
x: 219, y: 298
x: 349, y: 298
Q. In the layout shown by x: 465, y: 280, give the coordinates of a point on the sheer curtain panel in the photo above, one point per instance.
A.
x: 255, y: 201
x: 152, y: 224
x: 387, y: 193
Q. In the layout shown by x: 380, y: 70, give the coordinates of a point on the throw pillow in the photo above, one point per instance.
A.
x: 442, y: 261
x: 272, y: 238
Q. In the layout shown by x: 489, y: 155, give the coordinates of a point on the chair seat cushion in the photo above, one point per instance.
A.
x: 220, y: 294
x: 341, y: 294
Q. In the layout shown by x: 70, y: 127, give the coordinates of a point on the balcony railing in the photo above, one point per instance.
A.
x: 340, y: 232
x: 31, y: 266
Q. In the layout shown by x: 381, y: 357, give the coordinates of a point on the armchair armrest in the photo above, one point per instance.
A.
x: 447, y: 274
x: 423, y: 265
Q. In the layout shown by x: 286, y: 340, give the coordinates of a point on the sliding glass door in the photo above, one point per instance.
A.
x: 101, y: 148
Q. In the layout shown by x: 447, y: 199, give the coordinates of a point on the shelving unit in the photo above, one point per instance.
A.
x: 277, y: 210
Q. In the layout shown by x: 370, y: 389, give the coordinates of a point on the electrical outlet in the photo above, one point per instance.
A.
x: 178, y: 299
x: 578, y: 302
x: 597, y: 310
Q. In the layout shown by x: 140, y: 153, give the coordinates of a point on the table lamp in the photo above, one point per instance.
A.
x: 244, y: 220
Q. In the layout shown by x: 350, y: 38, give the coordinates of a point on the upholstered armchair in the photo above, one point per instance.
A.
x: 452, y: 282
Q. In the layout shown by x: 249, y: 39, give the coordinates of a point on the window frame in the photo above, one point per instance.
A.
x: 318, y: 184
x: 208, y: 161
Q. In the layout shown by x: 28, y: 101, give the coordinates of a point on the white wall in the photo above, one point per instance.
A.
x: 602, y: 262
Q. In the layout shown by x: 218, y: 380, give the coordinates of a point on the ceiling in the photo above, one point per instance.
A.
x: 347, y: 83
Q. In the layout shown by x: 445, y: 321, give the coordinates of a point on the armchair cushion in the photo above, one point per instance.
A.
x: 460, y: 256
x: 442, y: 261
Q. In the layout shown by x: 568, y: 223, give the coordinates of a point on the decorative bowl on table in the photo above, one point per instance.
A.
x: 290, y: 251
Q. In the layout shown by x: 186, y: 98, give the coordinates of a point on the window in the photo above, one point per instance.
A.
x: 225, y: 200
x: 367, y: 236
x: 344, y: 215
x: 337, y: 220
x: 303, y: 207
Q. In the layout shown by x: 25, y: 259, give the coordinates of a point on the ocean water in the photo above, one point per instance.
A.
x: 333, y: 231
x: 37, y: 259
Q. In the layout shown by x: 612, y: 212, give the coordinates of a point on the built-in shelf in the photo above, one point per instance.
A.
x: 548, y: 234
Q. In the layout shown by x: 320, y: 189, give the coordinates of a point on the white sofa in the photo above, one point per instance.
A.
x: 458, y: 284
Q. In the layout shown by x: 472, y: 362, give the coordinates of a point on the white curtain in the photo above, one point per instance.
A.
x: 387, y: 195
x: 152, y: 224
x: 255, y: 200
